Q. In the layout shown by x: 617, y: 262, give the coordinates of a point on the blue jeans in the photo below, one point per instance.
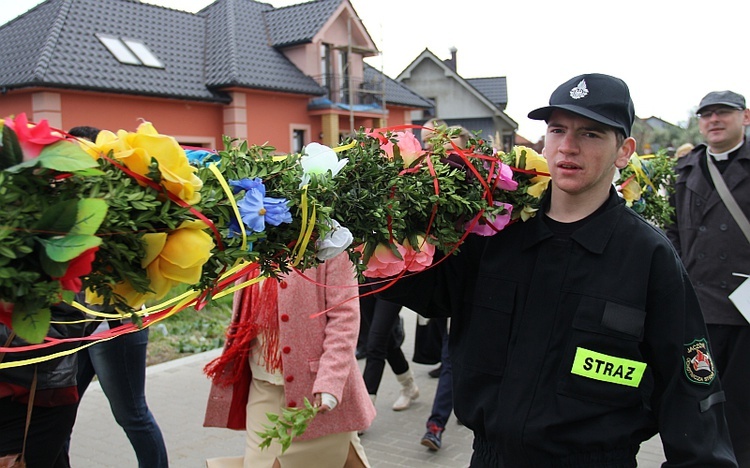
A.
x: 120, y: 364
x: 442, y: 405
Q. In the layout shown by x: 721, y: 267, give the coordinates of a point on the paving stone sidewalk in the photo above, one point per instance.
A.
x: 177, y: 393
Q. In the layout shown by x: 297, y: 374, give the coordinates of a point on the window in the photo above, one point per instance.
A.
x: 298, y: 140
x: 130, y: 51
x: 325, y: 65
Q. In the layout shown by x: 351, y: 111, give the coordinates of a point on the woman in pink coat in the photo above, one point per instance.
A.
x: 277, y: 355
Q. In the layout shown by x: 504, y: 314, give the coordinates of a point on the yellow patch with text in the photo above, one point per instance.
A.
x: 606, y: 368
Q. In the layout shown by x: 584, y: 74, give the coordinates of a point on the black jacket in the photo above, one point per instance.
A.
x: 708, y: 239
x: 548, y: 336
x: 51, y: 374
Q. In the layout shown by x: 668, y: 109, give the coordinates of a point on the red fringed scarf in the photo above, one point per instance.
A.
x: 257, y: 314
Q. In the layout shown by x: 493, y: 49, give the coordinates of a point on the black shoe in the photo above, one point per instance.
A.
x: 361, y: 353
x: 432, y: 438
x: 435, y: 373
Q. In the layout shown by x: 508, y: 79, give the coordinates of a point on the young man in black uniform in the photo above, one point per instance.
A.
x: 576, y: 335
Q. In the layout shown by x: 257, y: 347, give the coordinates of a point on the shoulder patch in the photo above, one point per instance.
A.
x: 699, y: 366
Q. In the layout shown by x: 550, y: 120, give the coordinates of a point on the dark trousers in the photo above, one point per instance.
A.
x: 48, y: 432
x: 382, y: 316
x: 730, y: 348
x: 442, y: 404
x: 120, y: 365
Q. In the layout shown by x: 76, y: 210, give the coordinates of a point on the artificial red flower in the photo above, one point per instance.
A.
x: 6, y: 313
x: 32, y: 138
x: 78, y: 267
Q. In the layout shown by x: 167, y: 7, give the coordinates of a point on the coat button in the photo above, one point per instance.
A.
x: 702, y: 229
x: 284, y: 317
x: 286, y: 350
x: 283, y: 285
x: 723, y: 227
x: 723, y: 285
x: 698, y: 203
x: 292, y: 404
x: 701, y: 256
x: 289, y: 378
x: 723, y: 256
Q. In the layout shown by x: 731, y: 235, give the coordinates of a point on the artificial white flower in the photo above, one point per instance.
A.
x: 334, y: 242
x: 319, y: 159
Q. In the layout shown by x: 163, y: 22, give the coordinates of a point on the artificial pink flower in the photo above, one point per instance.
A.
x: 503, y: 177
x: 408, y: 147
x: 78, y: 267
x: 489, y: 226
x: 418, y: 261
x: 383, y: 263
x: 32, y: 138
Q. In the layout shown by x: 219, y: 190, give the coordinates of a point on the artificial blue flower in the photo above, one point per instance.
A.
x: 248, y: 184
x: 256, y: 209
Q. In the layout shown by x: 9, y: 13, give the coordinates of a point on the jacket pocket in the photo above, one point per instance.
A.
x: 486, y: 325
x: 602, y: 362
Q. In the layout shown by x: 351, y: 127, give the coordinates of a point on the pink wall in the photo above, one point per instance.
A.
x: 269, y: 116
x: 15, y: 103
x: 170, y: 116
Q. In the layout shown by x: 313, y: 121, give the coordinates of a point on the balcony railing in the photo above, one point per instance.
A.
x: 349, y: 92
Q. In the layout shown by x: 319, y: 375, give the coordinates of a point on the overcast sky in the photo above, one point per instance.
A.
x: 670, y: 52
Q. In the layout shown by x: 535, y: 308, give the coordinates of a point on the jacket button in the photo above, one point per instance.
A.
x: 289, y: 378
x: 723, y: 227
x: 701, y: 256
x: 292, y: 404
x: 283, y: 285
x: 284, y: 317
x: 702, y: 229
x: 723, y: 256
x: 698, y: 203
x: 723, y: 285
x: 286, y: 350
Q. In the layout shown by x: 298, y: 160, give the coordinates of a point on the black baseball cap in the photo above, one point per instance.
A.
x: 602, y: 98
x: 723, y: 98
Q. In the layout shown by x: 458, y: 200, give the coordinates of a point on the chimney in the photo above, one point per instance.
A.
x: 451, y: 62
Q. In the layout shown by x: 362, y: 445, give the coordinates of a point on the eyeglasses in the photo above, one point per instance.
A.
x: 720, y: 113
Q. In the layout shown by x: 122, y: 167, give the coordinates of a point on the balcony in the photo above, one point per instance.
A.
x: 354, y: 95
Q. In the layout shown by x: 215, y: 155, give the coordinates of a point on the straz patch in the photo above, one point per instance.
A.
x: 605, y: 368
x: 699, y: 366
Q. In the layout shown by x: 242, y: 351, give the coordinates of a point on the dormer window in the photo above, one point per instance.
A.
x: 130, y: 51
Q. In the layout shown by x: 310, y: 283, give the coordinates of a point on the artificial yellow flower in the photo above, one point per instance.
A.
x: 178, y: 176
x: 177, y: 257
x: 536, y: 163
x: 631, y: 191
x: 527, y: 213
x: 136, y: 150
x: 171, y: 259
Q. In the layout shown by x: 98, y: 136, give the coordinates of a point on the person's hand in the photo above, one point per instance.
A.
x: 324, y: 402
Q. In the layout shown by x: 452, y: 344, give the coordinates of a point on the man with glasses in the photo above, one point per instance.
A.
x: 713, y: 246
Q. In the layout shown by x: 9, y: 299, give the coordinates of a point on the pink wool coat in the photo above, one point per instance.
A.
x: 317, y: 353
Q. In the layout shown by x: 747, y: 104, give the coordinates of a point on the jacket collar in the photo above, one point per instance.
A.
x: 697, y: 182
x: 593, y: 236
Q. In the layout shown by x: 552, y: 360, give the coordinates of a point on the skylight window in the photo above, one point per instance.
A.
x: 130, y: 51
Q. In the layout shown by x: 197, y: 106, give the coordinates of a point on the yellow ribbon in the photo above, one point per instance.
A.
x: 230, y: 196
x: 305, y: 231
x: 339, y: 149
x: 635, y: 163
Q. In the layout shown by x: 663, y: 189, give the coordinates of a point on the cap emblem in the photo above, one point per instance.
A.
x: 580, y: 91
